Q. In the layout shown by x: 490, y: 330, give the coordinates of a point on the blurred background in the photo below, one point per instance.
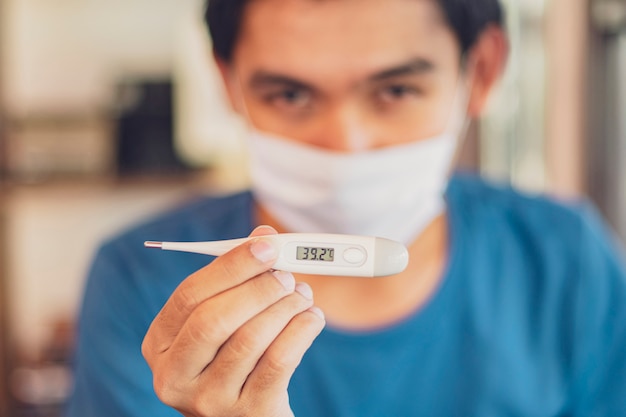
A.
x: 110, y: 111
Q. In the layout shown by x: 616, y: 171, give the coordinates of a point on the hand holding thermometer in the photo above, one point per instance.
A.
x: 316, y: 253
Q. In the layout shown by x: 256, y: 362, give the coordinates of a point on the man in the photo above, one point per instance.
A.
x: 510, y: 305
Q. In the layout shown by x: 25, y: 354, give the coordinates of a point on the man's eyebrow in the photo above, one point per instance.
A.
x: 264, y: 79
x: 416, y: 66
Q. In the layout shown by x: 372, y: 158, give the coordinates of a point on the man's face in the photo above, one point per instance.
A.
x: 345, y: 75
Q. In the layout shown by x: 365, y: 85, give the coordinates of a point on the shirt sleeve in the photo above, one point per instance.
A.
x: 111, y: 375
x: 599, y: 388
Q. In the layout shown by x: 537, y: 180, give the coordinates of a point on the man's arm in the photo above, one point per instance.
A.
x: 111, y: 376
x: 599, y: 387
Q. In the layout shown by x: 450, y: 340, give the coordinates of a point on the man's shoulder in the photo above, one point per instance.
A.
x: 500, y: 222
x: 485, y: 201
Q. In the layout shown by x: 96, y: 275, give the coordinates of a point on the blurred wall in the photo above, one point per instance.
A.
x: 606, y: 157
x: 208, y: 132
x: 621, y: 205
x: 62, y: 55
x: 567, y: 38
x: 534, y: 135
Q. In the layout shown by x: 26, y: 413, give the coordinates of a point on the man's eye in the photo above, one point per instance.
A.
x: 293, y: 98
x: 397, y: 92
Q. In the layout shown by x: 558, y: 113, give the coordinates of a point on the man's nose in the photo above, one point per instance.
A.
x: 346, y: 130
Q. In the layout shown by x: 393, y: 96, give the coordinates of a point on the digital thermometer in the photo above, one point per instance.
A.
x: 316, y: 253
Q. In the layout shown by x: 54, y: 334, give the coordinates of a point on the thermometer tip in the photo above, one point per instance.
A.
x: 157, y: 245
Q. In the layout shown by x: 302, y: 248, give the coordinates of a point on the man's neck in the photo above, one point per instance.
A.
x: 366, y: 303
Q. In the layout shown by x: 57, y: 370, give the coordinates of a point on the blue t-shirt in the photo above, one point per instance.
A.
x: 530, y: 319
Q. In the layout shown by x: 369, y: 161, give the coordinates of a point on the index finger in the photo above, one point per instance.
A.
x: 227, y: 271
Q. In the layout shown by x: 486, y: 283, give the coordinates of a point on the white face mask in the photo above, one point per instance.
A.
x: 393, y: 192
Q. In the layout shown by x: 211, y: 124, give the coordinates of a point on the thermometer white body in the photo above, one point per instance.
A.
x: 316, y: 253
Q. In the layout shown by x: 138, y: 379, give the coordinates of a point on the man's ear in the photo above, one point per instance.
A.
x: 487, y: 61
x: 231, y: 86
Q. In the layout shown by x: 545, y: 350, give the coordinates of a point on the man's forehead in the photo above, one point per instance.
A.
x: 290, y: 14
x: 321, y: 36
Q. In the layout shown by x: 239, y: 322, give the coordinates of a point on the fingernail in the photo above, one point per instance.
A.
x: 305, y: 290
x: 265, y: 228
x: 263, y: 250
x: 318, y: 312
x: 286, y: 279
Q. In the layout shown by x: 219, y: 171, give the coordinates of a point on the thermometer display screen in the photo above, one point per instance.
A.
x: 306, y: 253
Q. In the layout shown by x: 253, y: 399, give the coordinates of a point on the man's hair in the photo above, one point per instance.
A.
x: 467, y: 18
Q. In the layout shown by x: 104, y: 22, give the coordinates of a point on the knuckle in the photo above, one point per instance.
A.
x: 165, y: 389
x: 201, y: 407
x: 309, y: 320
x: 146, y: 349
x: 211, y: 404
x: 156, y: 340
x: 298, y: 303
x: 185, y: 300
x: 308, y: 323
x: 263, y: 405
x: 203, y: 329
x: 275, y: 367
x: 259, y: 287
x: 244, y: 343
x: 248, y: 409
x: 266, y: 286
x: 226, y: 268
